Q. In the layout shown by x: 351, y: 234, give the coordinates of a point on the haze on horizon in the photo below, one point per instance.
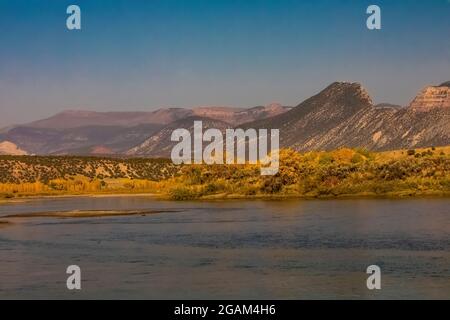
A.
x: 142, y: 55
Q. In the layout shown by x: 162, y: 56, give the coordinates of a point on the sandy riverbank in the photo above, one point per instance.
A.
x: 235, y: 196
x: 24, y: 198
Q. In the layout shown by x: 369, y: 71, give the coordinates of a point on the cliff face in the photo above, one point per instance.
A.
x: 432, y: 97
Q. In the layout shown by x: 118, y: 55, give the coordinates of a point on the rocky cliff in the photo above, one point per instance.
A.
x: 432, y: 97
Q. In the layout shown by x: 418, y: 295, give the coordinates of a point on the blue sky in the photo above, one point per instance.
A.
x: 142, y: 55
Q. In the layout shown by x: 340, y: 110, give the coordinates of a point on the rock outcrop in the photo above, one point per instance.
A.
x: 9, y: 148
x: 432, y: 97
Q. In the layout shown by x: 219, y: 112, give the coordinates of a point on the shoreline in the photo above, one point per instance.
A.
x: 226, y: 197
x: 24, y: 198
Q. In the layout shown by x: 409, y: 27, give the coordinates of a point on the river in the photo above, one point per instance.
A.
x: 285, y: 249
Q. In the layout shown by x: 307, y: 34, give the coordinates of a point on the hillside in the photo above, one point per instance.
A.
x: 160, y: 144
x: 30, y: 169
x: 80, y: 140
x: 343, y: 115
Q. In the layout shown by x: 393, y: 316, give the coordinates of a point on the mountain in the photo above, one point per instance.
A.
x: 81, y: 118
x: 103, y: 133
x: 80, y: 140
x: 310, y: 124
x: 160, y: 144
x: 343, y: 115
x: 9, y: 148
x: 432, y: 97
x: 426, y: 121
x: 388, y: 106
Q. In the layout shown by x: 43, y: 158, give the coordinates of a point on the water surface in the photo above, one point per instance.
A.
x: 289, y: 249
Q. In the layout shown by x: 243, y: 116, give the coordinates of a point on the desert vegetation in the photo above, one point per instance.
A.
x: 42, y: 175
x: 343, y: 172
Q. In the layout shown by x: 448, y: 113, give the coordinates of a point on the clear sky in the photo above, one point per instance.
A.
x: 146, y: 54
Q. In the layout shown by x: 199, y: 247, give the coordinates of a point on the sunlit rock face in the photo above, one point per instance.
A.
x: 432, y: 97
x: 9, y: 148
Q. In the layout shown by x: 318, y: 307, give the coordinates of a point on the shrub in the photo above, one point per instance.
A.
x: 183, y: 193
x: 325, y: 159
x: 357, y: 158
x: 211, y: 188
x: 272, y: 184
x: 363, y: 151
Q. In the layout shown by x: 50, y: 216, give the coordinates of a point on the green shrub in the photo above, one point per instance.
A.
x: 357, y: 158
x: 363, y: 151
x: 326, y: 159
x: 272, y: 184
x: 183, y: 193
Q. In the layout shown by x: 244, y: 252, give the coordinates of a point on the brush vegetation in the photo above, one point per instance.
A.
x: 339, y: 173
x: 54, y: 175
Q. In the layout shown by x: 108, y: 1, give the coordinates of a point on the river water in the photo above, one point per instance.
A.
x: 289, y: 249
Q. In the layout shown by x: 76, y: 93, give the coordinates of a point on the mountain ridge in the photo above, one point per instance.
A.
x: 82, y: 118
x: 341, y: 115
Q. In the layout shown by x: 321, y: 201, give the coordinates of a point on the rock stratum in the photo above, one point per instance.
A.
x: 432, y: 97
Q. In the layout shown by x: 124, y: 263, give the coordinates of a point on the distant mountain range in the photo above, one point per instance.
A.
x: 340, y: 115
x: 80, y: 118
x: 96, y: 133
